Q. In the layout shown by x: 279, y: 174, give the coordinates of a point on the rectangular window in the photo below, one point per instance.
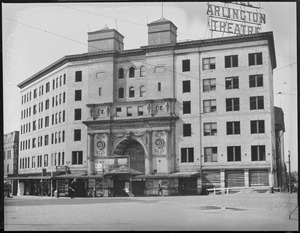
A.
x: 78, y: 76
x: 231, y: 61
x: 60, y: 81
x: 47, y: 103
x: 118, y: 111
x: 33, y: 125
x: 255, y: 59
x: 187, y: 130
x: 232, y: 83
x: 210, y: 129
x: 34, y: 93
x: 100, y: 91
x: 186, y: 107
x: 233, y: 153
x: 77, y: 135
x: 63, y: 136
x: 256, y: 102
x: 210, y: 154
x: 77, y: 114
x: 53, y: 84
x: 45, y: 160
x: 64, y: 78
x: 77, y: 157
x: 187, y: 155
x: 258, y: 153
x: 209, y: 63
x: 33, y: 142
x: 62, y: 158
x: 64, y: 97
x: 233, y: 127
x: 46, y: 140
x: 140, y: 110
x: 257, y: 126
x: 33, y: 162
x: 34, y: 109
x: 77, y: 95
x: 256, y: 80
x: 47, y: 87
x: 209, y: 105
x: 64, y: 116
x: 209, y: 85
x: 186, y: 86
x: 57, y: 82
x: 185, y: 65
x: 129, y: 111
x: 159, y: 86
x: 46, y: 121
x: 232, y: 104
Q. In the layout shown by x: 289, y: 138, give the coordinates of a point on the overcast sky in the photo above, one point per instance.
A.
x: 36, y: 35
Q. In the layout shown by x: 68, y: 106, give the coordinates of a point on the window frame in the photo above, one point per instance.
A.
x: 186, y: 86
x: 234, y: 154
x: 77, y: 135
x: 187, y: 130
x: 232, y: 104
x: 256, y: 80
x: 78, y: 76
x: 209, y: 63
x: 186, y: 65
x: 256, y: 102
x: 212, y: 108
x: 211, y: 157
x: 187, y: 155
x: 257, y: 126
x: 208, y: 85
x: 186, y: 107
x: 234, y: 129
x: 231, y: 61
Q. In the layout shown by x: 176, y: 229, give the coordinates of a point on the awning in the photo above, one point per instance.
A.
x: 29, y: 178
x: 71, y: 176
x: 123, y: 170
x: 172, y: 175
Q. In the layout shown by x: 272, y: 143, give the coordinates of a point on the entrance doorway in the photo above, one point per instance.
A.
x: 136, y: 153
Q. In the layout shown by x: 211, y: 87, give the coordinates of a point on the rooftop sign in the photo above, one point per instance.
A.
x: 238, y: 18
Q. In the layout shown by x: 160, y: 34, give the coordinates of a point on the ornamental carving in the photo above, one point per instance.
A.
x: 159, y: 141
x: 127, y: 135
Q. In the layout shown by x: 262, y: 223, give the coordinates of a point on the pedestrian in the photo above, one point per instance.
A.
x: 183, y: 189
x: 130, y: 194
x: 94, y: 192
x: 72, y: 188
x: 160, y: 191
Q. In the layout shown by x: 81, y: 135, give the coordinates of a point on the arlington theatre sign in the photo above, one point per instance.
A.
x: 235, y: 17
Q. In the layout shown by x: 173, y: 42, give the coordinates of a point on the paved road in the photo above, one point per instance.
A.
x: 263, y: 212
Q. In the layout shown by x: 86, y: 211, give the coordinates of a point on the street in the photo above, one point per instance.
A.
x: 248, y: 212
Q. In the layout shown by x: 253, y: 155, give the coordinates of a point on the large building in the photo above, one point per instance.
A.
x: 195, y: 114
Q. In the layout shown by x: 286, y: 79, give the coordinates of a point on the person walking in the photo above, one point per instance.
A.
x: 160, y: 191
x: 72, y: 188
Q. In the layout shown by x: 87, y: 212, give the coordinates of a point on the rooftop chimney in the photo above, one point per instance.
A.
x: 104, y: 40
x: 162, y: 31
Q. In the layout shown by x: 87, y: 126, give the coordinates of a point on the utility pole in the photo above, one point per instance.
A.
x: 290, y: 182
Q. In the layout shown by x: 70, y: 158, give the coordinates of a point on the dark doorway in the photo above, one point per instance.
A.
x: 138, y: 188
x: 137, y: 156
x: 188, y: 186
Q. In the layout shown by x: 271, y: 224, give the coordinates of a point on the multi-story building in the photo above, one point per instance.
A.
x: 10, y: 157
x: 194, y: 114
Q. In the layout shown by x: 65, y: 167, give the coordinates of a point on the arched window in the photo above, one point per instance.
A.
x: 131, y: 92
x: 142, y: 71
x: 121, y: 92
x: 131, y: 72
x: 121, y: 73
x: 142, y: 91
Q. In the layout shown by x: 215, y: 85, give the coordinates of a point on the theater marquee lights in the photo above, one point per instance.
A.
x: 238, y: 18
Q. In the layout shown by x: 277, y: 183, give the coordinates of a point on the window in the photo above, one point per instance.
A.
x: 121, y: 92
x: 77, y: 135
x: 210, y: 154
x: 53, y: 84
x: 64, y: 116
x: 46, y: 121
x: 60, y: 81
x: 64, y: 97
x: 232, y: 104
x: 47, y: 87
x: 46, y: 160
x: 209, y: 85
x: 33, y: 125
x: 34, y: 93
x: 131, y: 92
x: 256, y: 80
x: 46, y: 140
x: 185, y: 65
x: 187, y: 130
x: 63, y: 136
x: 64, y: 78
x: 131, y: 72
x: 77, y: 114
x: 56, y: 82
x: 100, y: 91
x: 63, y: 158
x: 76, y: 157
x: 209, y: 63
x: 129, y: 111
x: 118, y: 110
x: 209, y: 105
x: 33, y: 142
x: 256, y: 102
x: 77, y: 95
x: 59, y: 99
x: 121, y: 73
x: 142, y: 91
x: 142, y: 71
x: 33, y: 162
x: 257, y: 126
x: 140, y: 110
x: 186, y: 86
x: 187, y: 155
x: 231, y: 61
x: 78, y: 76
x: 255, y: 59
x: 233, y: 153
x: 186, y: 107
x: 159, y: 86
x: 210, y: 129
x: 47, y: 104
x: 233, y: 127
x: 258, y: 153
x: 232, y: 83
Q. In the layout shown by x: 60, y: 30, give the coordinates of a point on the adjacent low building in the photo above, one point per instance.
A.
x: 195, y: 115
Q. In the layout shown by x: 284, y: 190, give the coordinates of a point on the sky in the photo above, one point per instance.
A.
x: 35, y: 35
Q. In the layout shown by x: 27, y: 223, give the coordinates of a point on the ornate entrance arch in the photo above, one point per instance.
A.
x: 136, y: 152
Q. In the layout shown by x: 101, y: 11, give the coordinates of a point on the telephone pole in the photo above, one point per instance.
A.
x: 290, y: 182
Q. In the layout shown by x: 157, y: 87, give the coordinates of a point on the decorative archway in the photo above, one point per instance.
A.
x: 136, y: 152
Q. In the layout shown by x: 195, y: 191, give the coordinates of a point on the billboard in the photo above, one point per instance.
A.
x: 107, y: 164
x: 238, y: 18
